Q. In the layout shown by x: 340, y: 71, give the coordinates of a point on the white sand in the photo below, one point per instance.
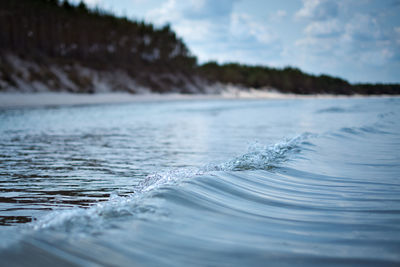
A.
x: 56, y: 99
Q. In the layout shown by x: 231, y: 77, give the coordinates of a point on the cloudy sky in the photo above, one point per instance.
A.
x: 358, y: 40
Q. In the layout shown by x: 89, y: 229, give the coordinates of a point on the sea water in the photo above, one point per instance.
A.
x: 202, y: 182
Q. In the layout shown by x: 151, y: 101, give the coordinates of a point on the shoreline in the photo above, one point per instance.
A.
x: 17, y: 100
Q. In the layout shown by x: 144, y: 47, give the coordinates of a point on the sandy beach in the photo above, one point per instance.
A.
x: 59, y: 99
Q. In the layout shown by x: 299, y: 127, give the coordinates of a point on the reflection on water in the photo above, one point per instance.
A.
x: 216, y: 182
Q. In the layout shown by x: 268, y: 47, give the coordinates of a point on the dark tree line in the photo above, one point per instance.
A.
x: 289, y: 80
x: 61, y: 30
x: 57, y: 30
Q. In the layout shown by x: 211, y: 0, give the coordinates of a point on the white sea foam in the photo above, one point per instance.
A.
x: 261, y: 157
x: 258, y: 157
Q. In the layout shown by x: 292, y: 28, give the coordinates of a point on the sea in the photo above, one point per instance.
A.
x: 206, y: 182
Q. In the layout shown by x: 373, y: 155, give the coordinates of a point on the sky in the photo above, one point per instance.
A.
x: 358, y: 40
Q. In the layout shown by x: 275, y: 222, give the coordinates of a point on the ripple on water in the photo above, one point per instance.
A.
x: 101, y: 197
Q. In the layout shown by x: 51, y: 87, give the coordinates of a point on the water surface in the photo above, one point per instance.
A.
x: 202, y: 182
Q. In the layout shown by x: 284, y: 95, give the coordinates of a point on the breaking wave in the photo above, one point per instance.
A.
x: 328, y: 198
x: 94, y: 218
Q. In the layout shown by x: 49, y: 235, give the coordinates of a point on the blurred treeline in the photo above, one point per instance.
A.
x: 40, y: 29
x: 289, y: 80
x: 60, y: 29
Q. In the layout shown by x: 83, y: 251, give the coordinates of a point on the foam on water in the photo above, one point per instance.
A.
x: 302, y: 201
x: 90, y: 220
x: 261, y: 157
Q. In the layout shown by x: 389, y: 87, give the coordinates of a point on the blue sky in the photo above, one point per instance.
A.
x: 358, y: 40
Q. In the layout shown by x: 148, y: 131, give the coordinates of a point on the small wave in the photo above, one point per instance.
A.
x: 258, y: 157
x: 375, y: 128
x: 348, y: 130
x: 261, y: 157
x: 155, y: 180
x: 332, y: 110
x: 386, y: 114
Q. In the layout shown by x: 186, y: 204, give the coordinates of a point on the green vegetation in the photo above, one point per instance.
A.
x: 289, y: 80
x: 57, y: 31
x: 50, y: 30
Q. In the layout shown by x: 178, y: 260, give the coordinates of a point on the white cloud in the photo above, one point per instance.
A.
x: 328, y: 28
x: 338, y: 37
x: 190, y: 20
x: 363, y: 27
x: 350, y: 35
x: 165, y: 13
x: 281, y: 13
x: 209, y: 9
x: 318, y: 9
x: 244, y: 26
x: 278, y: 16
x: 192, y: 10
x: 213, y: 31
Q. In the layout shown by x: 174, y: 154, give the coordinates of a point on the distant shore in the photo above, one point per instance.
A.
x: 10, y: 100
x: 88, y: 51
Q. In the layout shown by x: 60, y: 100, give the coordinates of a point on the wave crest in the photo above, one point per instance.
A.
x: 258, y: 157
x: 261, y: 157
